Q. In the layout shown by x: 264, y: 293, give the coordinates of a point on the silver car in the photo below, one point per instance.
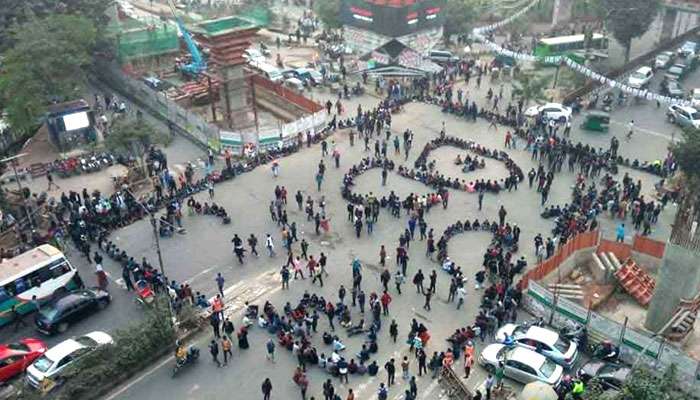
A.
x: 521, y: 364
x: 541, y: 340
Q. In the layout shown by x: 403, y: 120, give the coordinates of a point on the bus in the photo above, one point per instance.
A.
x: 43, y: 272
x: 571, y: 46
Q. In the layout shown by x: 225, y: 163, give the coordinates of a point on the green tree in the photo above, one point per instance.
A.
x: 460, y: 15
x: 328, y: 12
x: 629, y: 19
x: 47, y: 62
x: 133, y: 138
x: 530, y: 87
x: 687, y: 154
x: 17, y: 12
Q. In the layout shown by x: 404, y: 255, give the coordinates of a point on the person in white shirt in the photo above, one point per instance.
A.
x: 461, y: 293
x: 270, y: 245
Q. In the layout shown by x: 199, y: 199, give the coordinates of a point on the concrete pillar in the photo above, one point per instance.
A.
x: 678, y: 278
x: 235, y: 92
x: 562, y: 11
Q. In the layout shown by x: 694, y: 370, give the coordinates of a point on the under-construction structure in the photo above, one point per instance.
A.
x: 676, y: 300
x: 152, y: 42
x: 226, y: 39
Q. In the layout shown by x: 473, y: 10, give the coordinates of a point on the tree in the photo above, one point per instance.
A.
x: 687, y: 154
x: 530, y: 87
x: 459, y: 16
x: 46, y: 63
x: 133, y: 138
x: 17, y: 12
x: 629, y: 19
x: 328, y: 12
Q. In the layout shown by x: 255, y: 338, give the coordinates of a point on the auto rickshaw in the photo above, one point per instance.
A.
x: 596, y: 121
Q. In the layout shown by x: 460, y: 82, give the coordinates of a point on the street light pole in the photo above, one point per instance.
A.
x: 13, y: 162
x: 157, y: 237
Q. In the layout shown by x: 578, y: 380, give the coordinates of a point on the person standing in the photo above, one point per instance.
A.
x: 502, y: 216
x: 488, y: 385
x: 49, y: 178
x: 433, y: 281
x: 266, y: 389
x: 620, y: 233
x: 220, y: 283
x: 226, y: 347
x: 428, y: 296
x: 214, y: 351
x: 394, y: 330
x: 270, y: 244
x: 461, y: 294
x: 481, y: 198
x: 404, y: 368
x: 390, y: 368
x: 253, y: 243
x: 270, y: 347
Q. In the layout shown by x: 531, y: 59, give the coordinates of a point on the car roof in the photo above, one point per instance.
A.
x: 69, y: 299
x: 66, y: 347
x: 526, y: 356
x: 543, y: 335
x: 555, y: 105
x: 644, y: 69
x: 688, y: 109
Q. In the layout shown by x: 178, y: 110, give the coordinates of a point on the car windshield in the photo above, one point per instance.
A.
x: 562, y: 345
x: 49, y: 312
x: 638, y: 75
x: 662, y: 57
x: 43, y: 364
x: 87, y: 341
x: 18, y: 347
x: 548, y: 368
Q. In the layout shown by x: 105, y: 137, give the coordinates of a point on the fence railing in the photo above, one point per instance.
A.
x: 636, y: 347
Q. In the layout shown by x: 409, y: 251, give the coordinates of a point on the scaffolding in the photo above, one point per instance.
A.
x: 138, y: 40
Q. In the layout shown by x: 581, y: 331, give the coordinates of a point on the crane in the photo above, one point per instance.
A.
x: 198, y: 64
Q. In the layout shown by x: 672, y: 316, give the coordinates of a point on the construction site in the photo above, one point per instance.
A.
x: 642, y: 295
x: 201, y: 70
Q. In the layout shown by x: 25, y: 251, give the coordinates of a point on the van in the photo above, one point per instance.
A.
x: 442, y: 56
x: 268, y: 71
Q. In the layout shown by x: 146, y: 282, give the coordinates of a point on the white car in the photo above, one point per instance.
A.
x: 640, y: 78
x: 541, y: 340
x: 683, y: 116
x: 521, y: 364
x: 51, y: 363
x: 664, y: 59
x: 253, y: 56
x: 694, y: 99
x: 553, y: 111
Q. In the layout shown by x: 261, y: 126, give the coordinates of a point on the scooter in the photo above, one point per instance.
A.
x: 190, y: 358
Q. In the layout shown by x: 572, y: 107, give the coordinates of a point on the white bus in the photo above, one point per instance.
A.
x: 43, y: 272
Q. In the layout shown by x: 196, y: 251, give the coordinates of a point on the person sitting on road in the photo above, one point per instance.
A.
x: 338, y: 345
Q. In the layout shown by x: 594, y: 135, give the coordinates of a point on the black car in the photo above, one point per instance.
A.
x: 611, y: 376
x: 56, y: 316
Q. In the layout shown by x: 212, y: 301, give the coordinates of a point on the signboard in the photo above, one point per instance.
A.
x: 393, y: 18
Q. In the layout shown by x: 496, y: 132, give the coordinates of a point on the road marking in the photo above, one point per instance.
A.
x: 250, y: 291
x: 674, y: 138
x: 202, y: 272
x: 139, y: 379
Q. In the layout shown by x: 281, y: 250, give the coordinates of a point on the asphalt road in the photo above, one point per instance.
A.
x: 205, y: 250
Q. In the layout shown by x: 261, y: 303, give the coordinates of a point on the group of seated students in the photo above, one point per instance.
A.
x: 470, y: 164
x: 214, y: 209
x: 425, y: 169
x: 358, y: 169
x: 292, y: 335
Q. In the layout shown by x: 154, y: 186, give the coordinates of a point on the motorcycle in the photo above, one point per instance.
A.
x: 190, y: 358
x: 606, y: 351
x: 575, y: 333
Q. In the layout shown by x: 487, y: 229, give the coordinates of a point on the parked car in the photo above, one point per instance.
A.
x: 521, y: 364
x: 309, y: 76
x: 56, y: 316
x: 672, y: 89
x: 683, y: 116
x: 640, y: 78
x: 695, y: 98
x: 16, y: 357
x: 57, y: 358
x: 555, y: 111
x: 664, y: 59
x: 442, y: 56
x: 675, y: 72
x: 295, y: 84
x: 688, y: 48
x: 542, y: 340
x: 611, y: 376
x: 253, y: 55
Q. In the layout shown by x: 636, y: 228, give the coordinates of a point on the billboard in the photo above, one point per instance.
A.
x: 392, y: 18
